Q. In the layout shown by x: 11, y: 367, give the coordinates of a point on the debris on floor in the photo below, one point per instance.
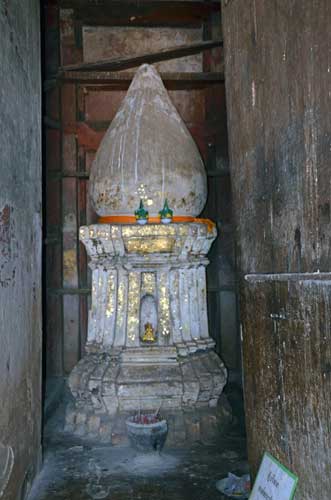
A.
x: 234, y: 486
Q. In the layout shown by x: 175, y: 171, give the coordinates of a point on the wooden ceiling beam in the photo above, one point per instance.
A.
x: 121, y: 81
x: 128, y: 62
x: 142, y: 13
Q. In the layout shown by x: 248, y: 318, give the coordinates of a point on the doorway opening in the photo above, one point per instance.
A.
x: 79, y: 105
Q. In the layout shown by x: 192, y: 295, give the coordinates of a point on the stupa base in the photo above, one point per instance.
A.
x: 108, y: 387
x: 185, y: 426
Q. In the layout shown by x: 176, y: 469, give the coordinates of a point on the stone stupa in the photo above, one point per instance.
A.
x: 148, y: 343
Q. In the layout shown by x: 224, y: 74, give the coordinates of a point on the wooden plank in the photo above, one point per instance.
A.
x: 287, y: 352
x: 60, y: 175
x: 53, y: 150
x: 52, y: 103
x: 69, y: 291
x: 277, y: 97
x: 52, y: 202
x: 229, y: 329
x: 54, y: 336
x: 53, y: 209
x: 69, y: 211
x: 133, y: 61
x: 70, y: 264
x: 70, y: 38
x: 121, y: 81
x: 82, y: 193
x: 83, y: 322
x: 142, y: 13
x: 49, y: 123
x: 68, y: 104
x: 50, y: 84
x: 71, y: 338
x: 278, y: 103
x: 102, y: 106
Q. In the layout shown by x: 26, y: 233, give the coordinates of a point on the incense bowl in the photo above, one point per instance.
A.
x: 147, y: 437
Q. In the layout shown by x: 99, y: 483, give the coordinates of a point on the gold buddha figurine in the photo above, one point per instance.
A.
x: 149, y: 334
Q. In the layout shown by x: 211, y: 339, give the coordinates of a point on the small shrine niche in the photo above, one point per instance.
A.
x: 148, y: 309
x: 148, y: 320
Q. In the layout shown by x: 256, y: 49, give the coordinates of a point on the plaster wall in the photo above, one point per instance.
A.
x: 20, y: 240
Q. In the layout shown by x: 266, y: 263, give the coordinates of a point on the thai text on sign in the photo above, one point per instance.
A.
x: 274, y: 481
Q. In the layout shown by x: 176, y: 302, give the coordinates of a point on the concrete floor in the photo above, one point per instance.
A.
x: 92, y: 472
x: 74, y: 470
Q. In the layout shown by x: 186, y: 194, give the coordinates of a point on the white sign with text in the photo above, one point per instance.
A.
x: 274, y: 481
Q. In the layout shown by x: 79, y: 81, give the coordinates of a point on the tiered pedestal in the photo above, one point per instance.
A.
x: 146, y: 275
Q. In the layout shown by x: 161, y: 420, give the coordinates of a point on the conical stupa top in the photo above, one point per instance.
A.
x: 147, y: 153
